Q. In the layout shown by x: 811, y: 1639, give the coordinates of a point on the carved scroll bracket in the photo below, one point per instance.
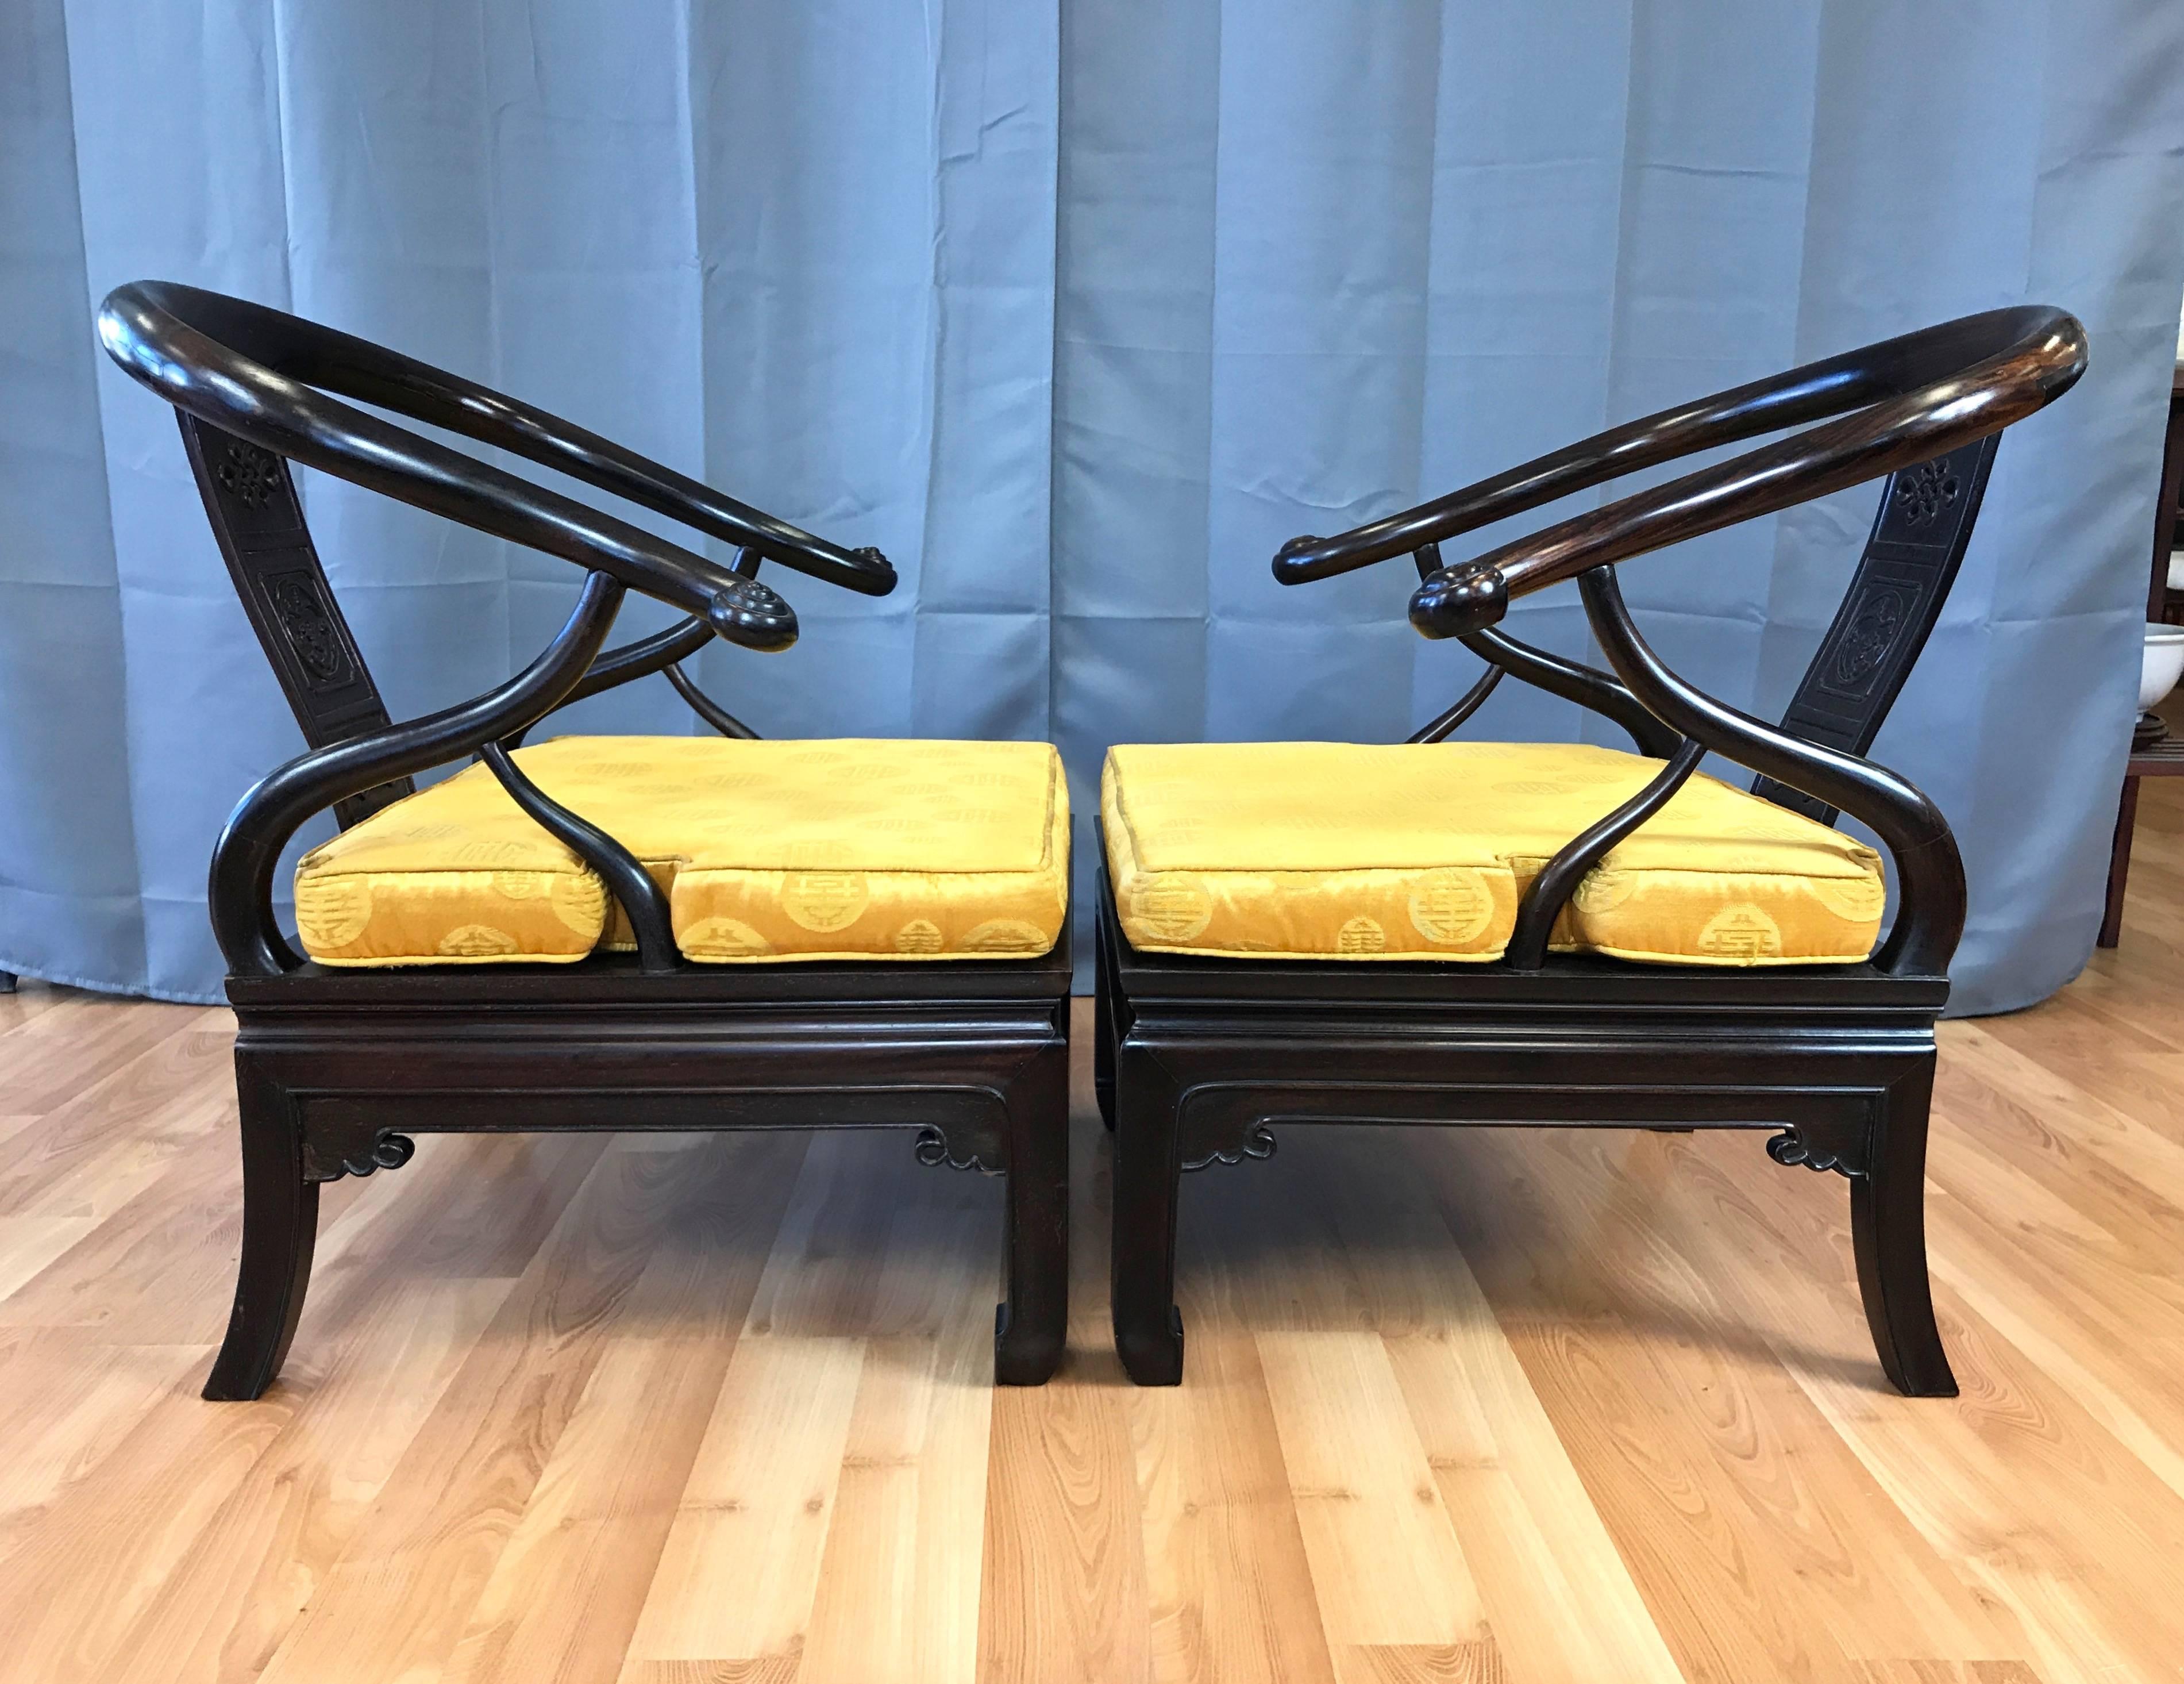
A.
x: 1258, y: 1141
x: 932, y: 1150
x: 329, y: 1156
x: 1841, y: 1148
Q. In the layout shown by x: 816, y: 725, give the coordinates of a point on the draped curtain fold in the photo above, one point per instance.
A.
x: 1078, y: 314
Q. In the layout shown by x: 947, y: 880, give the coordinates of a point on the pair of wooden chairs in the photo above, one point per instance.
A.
x: 704, y: 933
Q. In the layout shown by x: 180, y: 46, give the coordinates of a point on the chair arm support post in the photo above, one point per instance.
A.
x: 240, y: 891
x: 623, y: 873
x: 1930, y: 873
x: 1466, y: 704
x: 663, y: 652
x: 1573, y: 681
x: 705, y: 707
x: 640, y: 660
x: 1558, y: 878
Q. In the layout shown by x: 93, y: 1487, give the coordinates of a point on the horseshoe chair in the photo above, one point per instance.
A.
x: 1556, y: 933
x: 625, y: 932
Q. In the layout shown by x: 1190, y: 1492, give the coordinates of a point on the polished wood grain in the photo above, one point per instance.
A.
x: 1523, y: 1405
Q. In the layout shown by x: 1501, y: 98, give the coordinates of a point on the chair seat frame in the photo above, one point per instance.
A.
x: 336, y: 1068
x: 1197, y: 1060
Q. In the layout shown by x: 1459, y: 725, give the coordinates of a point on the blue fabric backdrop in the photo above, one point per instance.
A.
x: 1078, y: 316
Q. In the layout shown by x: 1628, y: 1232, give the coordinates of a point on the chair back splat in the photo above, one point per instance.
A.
x: 250, y: 499
x: 1920, y: 535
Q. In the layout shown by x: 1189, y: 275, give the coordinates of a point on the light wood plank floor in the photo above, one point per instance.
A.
x: 1523, y: 1405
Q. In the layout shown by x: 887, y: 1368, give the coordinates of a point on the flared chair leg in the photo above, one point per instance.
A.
x: 280, y: 1228
x: 1032, y: 1327
x: 1148, y: 1177
x: 1106, y: 1022
x: 1888, y: 1235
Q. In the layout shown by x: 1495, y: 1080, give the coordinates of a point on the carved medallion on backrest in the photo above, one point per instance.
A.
x: 250, y: 499
x: 1920, y: 535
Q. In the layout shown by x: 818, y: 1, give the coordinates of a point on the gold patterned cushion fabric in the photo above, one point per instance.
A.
x: 848, y: 849
x: 1337, y: 850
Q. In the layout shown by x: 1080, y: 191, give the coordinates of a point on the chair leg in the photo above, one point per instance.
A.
x: 1105, y: 1019
x: 2111, y: 931
x: 1032, y: 1327
x: 280, y: 1227
x: 1148, y: 1173
x: 1888, y: 1233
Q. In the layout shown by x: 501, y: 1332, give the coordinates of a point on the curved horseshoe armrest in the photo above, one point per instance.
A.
x: 1966, y: 379
x: 283, y: 411
x: 321, y: 356
x: 1883, y: 407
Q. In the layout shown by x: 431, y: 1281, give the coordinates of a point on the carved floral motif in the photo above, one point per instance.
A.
x: 1925, y: 493
x: 249, y: 475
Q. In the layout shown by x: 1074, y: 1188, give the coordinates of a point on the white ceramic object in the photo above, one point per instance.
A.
x: 2177, y: 570
x: 2162, y: 664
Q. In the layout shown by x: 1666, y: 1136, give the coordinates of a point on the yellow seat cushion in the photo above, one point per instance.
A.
x: 1337, y: 850
x: 848, y: 849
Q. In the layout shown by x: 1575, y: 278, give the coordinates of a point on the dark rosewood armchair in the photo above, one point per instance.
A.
x: 671, y: 933
x: 1556, y: 933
